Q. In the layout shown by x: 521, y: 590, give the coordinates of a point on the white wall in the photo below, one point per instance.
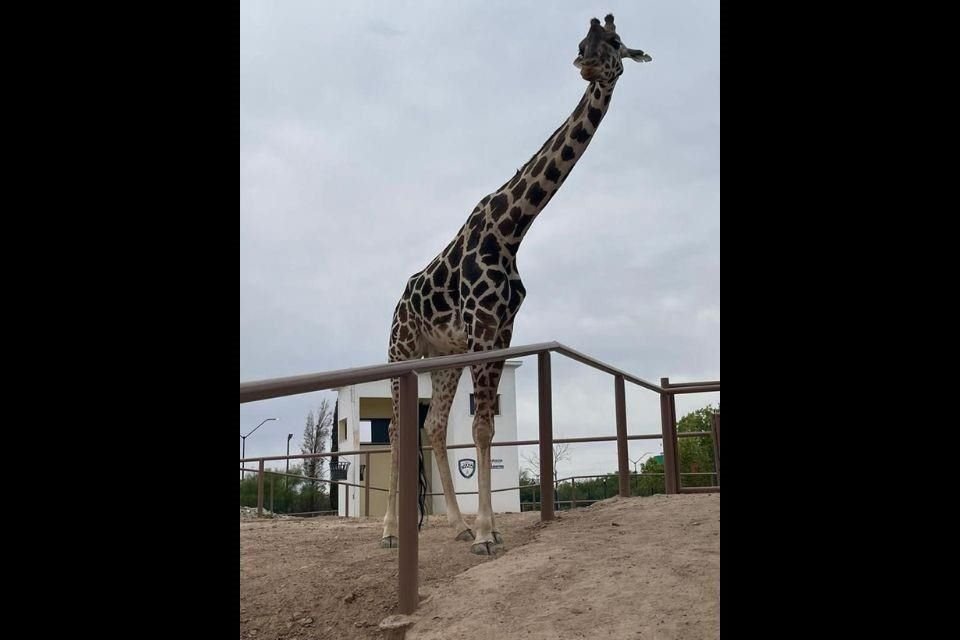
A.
x: 349, y: 408
x: 459, y: 431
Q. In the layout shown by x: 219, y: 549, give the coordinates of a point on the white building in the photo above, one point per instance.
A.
x: 364, y: 413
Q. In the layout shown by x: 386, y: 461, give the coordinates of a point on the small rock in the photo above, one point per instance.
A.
x: 306, y: 621
x: 614, y: 524
x: 350, y: 597
x: 394, y: 627
x: 359, y: 624
x: 576, y: 611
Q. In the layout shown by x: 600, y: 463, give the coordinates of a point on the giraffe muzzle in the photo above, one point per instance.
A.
x: 589, y: 73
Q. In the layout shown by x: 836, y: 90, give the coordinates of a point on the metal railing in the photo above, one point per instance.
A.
x: 407, y: 372
x: 574, y: 502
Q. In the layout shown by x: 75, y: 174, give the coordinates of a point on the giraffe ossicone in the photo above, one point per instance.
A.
x: 466, y: 299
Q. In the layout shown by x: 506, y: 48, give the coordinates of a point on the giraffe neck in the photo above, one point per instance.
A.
x: 517, y: 203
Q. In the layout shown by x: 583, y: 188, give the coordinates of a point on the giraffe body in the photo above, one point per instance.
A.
x: 468, y: 296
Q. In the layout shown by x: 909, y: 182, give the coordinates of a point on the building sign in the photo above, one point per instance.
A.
x: 496, y: 463
x: 467, y: 467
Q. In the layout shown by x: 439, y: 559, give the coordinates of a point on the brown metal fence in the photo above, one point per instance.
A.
x: 407, y: 372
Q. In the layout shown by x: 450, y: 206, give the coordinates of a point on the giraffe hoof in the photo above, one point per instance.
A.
x: 390, y: 542
x: 497, y: 538
x: 483, y: 549
x: 466, y: 534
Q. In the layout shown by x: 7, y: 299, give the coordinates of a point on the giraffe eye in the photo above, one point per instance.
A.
x: 615, y: 44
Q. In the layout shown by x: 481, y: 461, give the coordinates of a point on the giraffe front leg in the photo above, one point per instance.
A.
x: 454, y: 516
x: 486, y: 380
x: 390, y: 540
x: 486, y: 538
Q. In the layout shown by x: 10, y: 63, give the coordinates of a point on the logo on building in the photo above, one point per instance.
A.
x: 467, y: 467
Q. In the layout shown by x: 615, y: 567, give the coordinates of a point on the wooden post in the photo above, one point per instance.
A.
x: 260, y: 490
x: 407, y: 500
x: 546, y: 436
x: 716, y: 445
x: 366, y: 484
x: 669, y: 440
x: 622, y: 457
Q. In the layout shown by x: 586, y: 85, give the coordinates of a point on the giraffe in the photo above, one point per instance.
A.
x: 466, y: 299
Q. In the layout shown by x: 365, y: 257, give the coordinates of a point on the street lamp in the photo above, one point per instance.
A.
x: 243, y: 438
x: 638, y: 460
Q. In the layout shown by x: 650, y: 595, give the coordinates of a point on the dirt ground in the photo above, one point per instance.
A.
x: 644, y: 568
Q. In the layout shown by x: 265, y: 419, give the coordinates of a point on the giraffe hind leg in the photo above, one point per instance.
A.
x: 405, y: 344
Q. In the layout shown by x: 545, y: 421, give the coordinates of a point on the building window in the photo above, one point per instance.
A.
x: 496, y: 405
x: 377, y: 430
x: 380, y: 431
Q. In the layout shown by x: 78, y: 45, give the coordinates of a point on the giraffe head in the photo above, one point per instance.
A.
x: 601, y: 52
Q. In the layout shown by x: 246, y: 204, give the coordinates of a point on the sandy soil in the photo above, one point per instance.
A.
x: 622, y: 568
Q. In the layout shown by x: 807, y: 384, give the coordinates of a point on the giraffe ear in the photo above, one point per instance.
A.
x: 635, y: 54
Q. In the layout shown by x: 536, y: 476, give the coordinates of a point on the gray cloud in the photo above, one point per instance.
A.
x: 367, y: 135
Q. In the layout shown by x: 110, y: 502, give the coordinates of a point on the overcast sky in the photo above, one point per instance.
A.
x: 370, y: 130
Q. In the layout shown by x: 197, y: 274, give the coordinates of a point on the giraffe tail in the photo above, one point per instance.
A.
x: 421, y: 484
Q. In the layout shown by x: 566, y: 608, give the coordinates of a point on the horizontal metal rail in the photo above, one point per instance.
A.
x: 510, y: 443
x: 293, y: 385
x: 309, y: 479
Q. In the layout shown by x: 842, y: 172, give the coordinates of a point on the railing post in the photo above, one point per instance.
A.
x: 346, y: 500
x: 272, y: 478
x: 546, y: 436
x: 716, y: 445
x: 573, y: 493
x: 260, y: 490
x: 676, y: 441
x: 366, y: 485
x: 621, y: 408
x: 668, y: 427
x: 407, y: 500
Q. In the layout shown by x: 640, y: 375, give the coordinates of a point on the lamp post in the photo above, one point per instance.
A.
x: 635, y: 462
x: 286, y: 480
x: 289, y: 435
x: 243, y: 438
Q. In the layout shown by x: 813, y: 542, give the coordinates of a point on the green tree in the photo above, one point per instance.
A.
x: 529, y: 491
x: 647, y: 485
x: 288, y: 494
x: 696, y: 454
